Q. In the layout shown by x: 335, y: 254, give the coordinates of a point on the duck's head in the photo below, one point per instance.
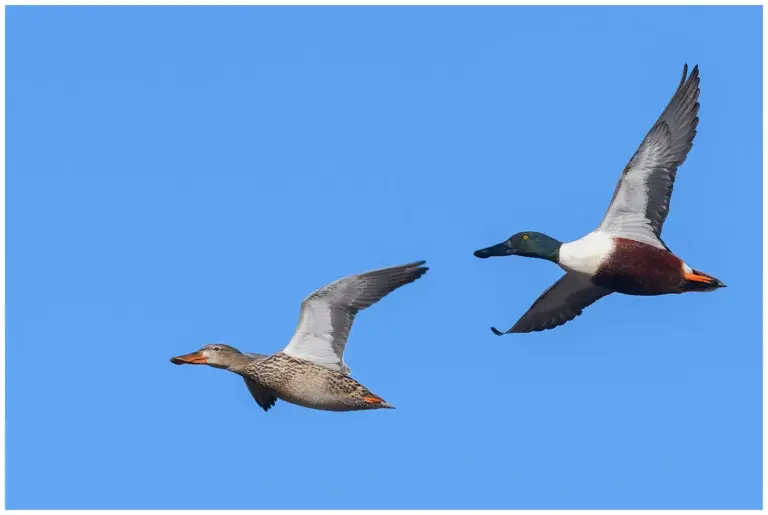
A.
x: 215, y: 355
x: 528, y: 243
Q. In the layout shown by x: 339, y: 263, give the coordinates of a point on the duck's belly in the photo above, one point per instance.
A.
x: 636, y: 268
x: 316, y: 399
x: 317, y: 387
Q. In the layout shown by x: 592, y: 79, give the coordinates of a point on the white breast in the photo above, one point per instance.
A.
x: 586, y: 254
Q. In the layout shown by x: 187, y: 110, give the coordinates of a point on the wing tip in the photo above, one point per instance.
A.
x: 416, y: 265
x: 416, y: 268
x: 531, y: 329
x: 689, y: 77
x: 268, y: 404
x: 685, y: 70
x: 686, y: 78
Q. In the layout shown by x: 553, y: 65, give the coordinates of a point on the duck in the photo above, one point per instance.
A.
x: 310, y: 371
x: 626, y: 253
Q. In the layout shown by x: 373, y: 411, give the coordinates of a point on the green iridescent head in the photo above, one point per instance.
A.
x: 529, y: 244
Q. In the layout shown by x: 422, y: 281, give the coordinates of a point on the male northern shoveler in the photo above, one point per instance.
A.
x: 625, y: 253
x: 311, y: 371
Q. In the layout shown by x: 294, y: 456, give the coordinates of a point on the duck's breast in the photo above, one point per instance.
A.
x: 586, y: 255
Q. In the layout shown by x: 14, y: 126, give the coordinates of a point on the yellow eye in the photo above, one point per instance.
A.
x: 525, y: 237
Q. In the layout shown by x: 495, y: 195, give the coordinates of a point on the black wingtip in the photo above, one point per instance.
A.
x: 497, y: 332
x: 417, y: 267
x: 687, y: 76
x: 684, y: 77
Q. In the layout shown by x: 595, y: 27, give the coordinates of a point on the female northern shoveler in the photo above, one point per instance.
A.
x: 625, y: 253
x: 311, y: 371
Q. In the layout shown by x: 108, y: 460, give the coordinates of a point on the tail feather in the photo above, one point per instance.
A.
x: 699, y: 281
x: 375, y: 401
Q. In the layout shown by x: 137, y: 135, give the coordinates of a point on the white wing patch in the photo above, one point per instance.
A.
x: 328, y: 313
x: 318, y: 339
x: 640, y: 203
x: 626, y: 216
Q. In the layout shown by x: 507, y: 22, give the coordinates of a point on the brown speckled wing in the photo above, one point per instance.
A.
x: 640, y: 202
x: 560, y: 303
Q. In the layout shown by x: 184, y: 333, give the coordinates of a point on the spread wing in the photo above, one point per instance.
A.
x: 560, y: 303
x: 262, y: 396
x: 640, y: 202
x: 327, y: 314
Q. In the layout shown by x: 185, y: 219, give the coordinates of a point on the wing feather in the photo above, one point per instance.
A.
x: 263, y: 397
x: 640, y: 202
x: 560, y: 303
x: 328, y: 313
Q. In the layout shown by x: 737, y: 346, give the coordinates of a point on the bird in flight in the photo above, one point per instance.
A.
x: 625, y: 254
x: 311, y: 371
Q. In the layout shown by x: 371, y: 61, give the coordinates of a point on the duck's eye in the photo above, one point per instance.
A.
x: 217, y: 349
x: 525, y: 237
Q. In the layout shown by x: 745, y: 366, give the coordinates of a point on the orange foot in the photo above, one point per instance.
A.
x: 701, y: 281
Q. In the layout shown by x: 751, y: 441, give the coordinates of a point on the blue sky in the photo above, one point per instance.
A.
x: 182, y: 176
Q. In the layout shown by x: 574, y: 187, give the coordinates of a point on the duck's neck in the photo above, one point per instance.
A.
x: 239, y: 362
x: 552, y: 254
x: 545, y: 247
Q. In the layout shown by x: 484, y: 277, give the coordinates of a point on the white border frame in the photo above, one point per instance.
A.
x: 350, y: 2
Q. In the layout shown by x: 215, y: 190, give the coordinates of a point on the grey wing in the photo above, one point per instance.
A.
x: 560, y: 303
x: 263, y: 397
x: 640, y: 203
x: 327, y: 314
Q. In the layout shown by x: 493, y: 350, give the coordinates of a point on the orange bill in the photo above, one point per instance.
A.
x: 194, y: 358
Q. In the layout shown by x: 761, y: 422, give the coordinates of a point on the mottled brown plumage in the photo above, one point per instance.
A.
x: 310, y: 371
x: 302, y: 382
